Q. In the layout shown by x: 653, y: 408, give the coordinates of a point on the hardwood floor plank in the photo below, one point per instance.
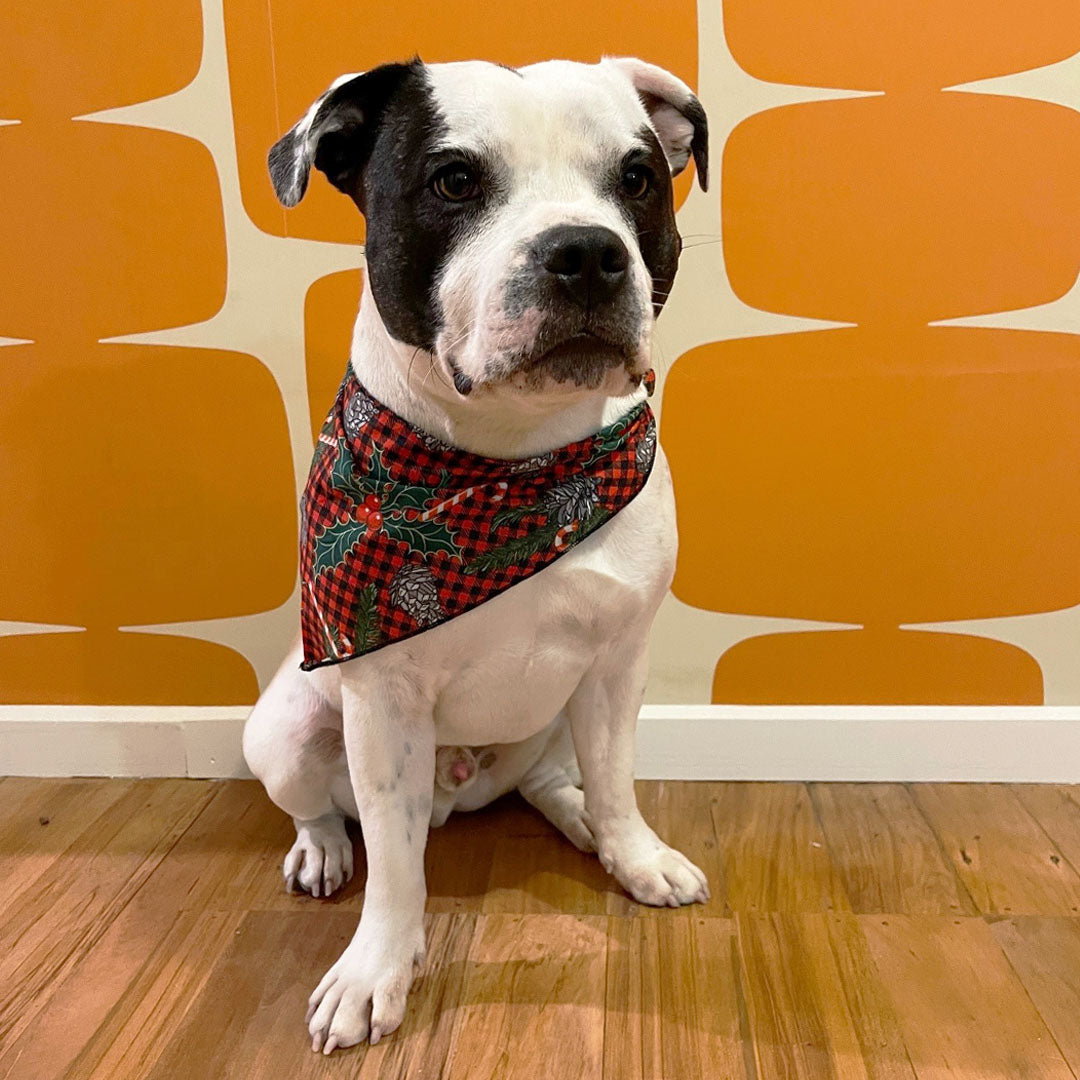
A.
x: 1007, y: 862
x: 141, y: 1019
x: 461, y: 884
x: 773, y: 850
x: 41, y: 819
x: 633, y: 1048
x: 817, y: 1010
x: 52, y: 926
x: 148, y: 934
x: 230, y: 859
x: 109, y: 983
x: 674, y: 1001
x: 888, y: 857
x: 532, y: 1001
x: 420, y: 1048
x: 248, y: 1019
x: 548, y: 875
x: 1056, y: 807
x: 1045, y: 953
x: 962, y: 1009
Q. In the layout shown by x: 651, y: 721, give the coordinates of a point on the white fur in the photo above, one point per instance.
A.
x: 553, y: 666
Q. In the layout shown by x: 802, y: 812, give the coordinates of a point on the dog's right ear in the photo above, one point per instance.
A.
x: 337, y: 133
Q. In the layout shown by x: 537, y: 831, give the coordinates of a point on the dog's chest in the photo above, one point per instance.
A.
x: 501, y: 672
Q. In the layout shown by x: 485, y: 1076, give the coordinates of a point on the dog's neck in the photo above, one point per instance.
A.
x: 419, y: 389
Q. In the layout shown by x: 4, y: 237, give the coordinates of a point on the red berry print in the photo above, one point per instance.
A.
x: 362, y: 513
x: 373, y: 502
x: 374, y: 520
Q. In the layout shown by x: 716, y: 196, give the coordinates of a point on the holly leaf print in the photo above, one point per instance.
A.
x: 407, y: 497
x: 426, y: 537
x: 343, y: 474
x: 376, y: 472
x: 334, y: 544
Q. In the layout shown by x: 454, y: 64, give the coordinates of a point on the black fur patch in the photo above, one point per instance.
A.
x: 653, y: 218
x: 699, y: 144
x: 340, y: 136
x: 411, y: 233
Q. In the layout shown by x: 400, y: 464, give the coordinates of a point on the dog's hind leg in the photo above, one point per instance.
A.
x: 553, y: 786
x: 293, y: 744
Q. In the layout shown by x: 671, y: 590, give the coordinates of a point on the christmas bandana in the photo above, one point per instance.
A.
x: 401, y: 532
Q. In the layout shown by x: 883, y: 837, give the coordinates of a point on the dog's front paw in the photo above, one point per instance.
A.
x: 363, y: 995
x: 653, y: 873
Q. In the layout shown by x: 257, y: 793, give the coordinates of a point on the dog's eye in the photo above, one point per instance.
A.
x: 456, y: 183
x: 636, y: 181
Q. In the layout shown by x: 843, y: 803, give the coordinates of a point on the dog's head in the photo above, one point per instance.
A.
x: 520, y: 223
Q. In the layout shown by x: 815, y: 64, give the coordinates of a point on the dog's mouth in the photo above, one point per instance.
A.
x: 584, y: 346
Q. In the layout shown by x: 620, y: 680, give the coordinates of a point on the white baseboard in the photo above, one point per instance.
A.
x: 1037, y: 744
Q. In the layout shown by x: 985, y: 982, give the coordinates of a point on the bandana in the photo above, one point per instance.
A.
x: 401, y: 532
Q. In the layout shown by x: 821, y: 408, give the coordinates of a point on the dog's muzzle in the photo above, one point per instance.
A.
x: 577, y: 280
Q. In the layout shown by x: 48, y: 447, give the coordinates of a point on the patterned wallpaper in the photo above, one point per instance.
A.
x: 869, y: 367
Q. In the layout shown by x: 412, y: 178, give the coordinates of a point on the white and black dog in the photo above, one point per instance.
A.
x: 521, y: 239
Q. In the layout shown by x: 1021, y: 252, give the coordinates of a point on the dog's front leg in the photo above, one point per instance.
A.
x: 603, y: 721
x: 390, y: 745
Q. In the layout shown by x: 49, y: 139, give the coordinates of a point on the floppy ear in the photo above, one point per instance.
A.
x: 336, y: 134
x: 676, y: 114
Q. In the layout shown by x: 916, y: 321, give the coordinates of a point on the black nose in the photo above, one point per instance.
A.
x: 588, y: 261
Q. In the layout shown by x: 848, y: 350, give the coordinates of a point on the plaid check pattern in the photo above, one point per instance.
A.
x: 400, y: 532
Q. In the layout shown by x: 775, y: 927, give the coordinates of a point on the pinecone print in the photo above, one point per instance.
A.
x: 531, y: 464
x: 415, y: 592
x: 574, y: 500
x: 358, y: 412
x: 436, y: 446
x: 645, y: 450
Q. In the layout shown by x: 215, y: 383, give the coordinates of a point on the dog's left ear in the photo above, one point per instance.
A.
x: 676, y: 114
x: 336, y: 134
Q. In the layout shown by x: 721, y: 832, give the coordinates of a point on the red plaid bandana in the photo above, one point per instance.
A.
x: 400, y: 532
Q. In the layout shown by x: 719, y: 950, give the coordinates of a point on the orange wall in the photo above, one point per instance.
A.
x: 843, y: 469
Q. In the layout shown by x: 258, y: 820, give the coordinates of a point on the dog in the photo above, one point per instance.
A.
x: 521, y: 241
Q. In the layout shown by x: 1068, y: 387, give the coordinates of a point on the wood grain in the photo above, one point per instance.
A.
x: 41, y: 819
x: 817, y: 1008
x: 962, y: 1009
x: 773, y: 850
x: 1045, y: 953
x: 458, y: 882
x: 53, y: 925
x: 886, y: 854
x: 1007, y: 862
x: 148, y: 934
x: 532, y: 981
x: 674, y: 1001
x: 1056, y: 807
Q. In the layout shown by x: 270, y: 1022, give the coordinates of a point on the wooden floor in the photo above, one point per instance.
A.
x: 856, y: 932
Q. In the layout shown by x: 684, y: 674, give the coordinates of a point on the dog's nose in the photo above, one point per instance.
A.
x: 589, y: 261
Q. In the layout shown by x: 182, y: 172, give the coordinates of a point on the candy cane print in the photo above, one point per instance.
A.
x: 564, y: 532
x: 460, y: 497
